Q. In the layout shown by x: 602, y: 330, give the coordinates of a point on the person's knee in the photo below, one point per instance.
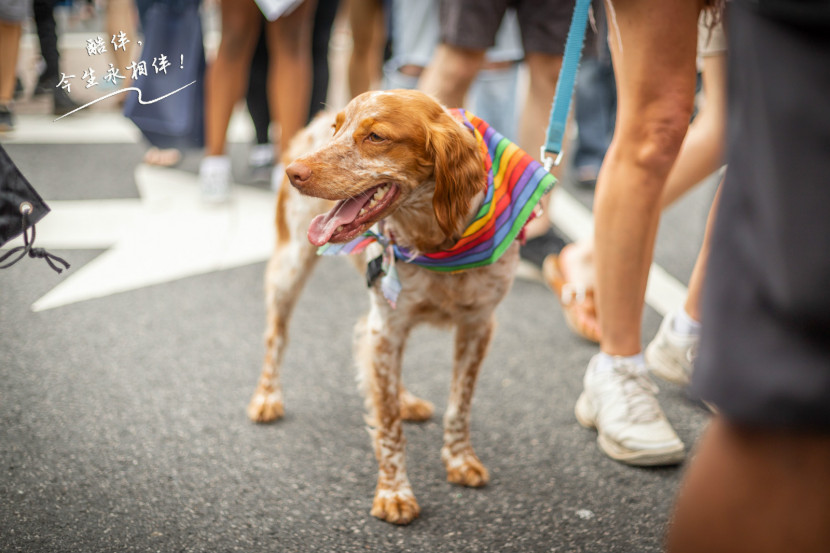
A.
x: 459, y: 66
x: 656, y: 139
x: 238, y: 41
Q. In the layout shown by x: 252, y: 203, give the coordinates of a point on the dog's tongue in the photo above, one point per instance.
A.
x: 323, y: 226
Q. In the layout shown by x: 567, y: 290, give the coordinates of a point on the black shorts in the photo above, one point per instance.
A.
x: 473, y: 23
x: 765, y: 349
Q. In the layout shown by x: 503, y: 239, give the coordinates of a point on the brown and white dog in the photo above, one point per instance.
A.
x: 397, y: 156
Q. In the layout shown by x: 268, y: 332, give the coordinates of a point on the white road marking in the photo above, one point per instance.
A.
x: 167, y: 235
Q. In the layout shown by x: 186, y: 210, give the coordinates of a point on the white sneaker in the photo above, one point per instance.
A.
x: 670, y: 355
x: 261, y: 156
x: 631, y: 427
x: 215, y: 179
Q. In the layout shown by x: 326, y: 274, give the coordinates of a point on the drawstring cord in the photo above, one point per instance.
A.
x: 27, y: 249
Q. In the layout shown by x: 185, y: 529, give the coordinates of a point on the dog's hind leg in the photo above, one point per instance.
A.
x: 287, y: 272
x: 471, y: 343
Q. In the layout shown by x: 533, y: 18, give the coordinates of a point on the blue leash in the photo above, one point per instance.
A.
x: 565, y: 86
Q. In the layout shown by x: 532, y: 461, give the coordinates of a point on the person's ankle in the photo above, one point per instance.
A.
x: 684, y: 325
x: 606, y: 362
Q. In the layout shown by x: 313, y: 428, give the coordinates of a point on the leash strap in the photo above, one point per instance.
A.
x: 552, y: 150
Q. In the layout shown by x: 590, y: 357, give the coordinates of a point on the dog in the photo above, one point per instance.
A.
x: 398, y: 170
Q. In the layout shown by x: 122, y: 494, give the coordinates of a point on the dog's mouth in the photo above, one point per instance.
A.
x: 352, y: 216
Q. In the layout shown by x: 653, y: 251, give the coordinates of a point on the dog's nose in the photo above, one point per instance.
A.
x: 298, y: 173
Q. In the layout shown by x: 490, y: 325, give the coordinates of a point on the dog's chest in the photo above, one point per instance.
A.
x: 438, y: 297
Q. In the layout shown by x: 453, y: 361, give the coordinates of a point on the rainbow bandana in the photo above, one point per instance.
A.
x: 515, y: 184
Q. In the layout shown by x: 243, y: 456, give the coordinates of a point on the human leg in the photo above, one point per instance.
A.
x: 368, y: 35
x: 227, y: 76
x: 10, y: 33
x: 320, y: 35
x: 225, y: 82
x: 121, y: 19
x: 654, y: 64
x: 655, y: 71
x: 450, y: 73
x: 289, y: 76
x: 754, y: 490
x: 702, y: 152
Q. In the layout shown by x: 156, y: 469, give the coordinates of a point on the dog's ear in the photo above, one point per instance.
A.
x: 459, y: 172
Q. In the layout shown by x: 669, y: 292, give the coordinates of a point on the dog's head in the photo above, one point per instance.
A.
x: 390, y: 147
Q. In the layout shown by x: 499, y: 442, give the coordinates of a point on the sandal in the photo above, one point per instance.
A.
x: 163, y: 157
x: 577, y: 300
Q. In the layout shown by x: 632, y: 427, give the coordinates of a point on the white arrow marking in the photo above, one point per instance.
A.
x: 166, y: 235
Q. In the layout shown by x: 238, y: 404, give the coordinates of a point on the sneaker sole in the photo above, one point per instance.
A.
x: 664, y: 366
x: 586, y: 417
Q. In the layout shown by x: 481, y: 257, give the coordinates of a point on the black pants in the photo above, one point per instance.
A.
x: 765, y: 348
x: 43, y: 11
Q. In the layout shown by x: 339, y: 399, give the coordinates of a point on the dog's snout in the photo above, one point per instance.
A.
x: 298, y: 173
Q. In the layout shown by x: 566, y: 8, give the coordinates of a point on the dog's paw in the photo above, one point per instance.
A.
x: 465, y: 469
x: 415, y: 409
x: 265, y: 406
x: 397, y: 507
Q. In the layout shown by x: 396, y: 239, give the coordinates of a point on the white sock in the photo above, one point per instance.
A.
x: 684, y: 325
x: 605, y: 362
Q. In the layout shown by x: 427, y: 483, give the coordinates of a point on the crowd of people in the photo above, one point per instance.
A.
x: 751, y: 337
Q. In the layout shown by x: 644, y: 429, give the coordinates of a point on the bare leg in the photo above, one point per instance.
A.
x: 227, y: 76
x: 368, y: 35
x: 450, y: 74
x: 289, y: 72
x: 121, y: 18
x: 462, y: 464
x: 703, y: 148
x: 9, y: 48
x: 754, y: 491
x: 544, y: 72
x: 654, y: 67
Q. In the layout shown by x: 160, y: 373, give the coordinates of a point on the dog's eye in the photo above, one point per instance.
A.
x: 375, y: 137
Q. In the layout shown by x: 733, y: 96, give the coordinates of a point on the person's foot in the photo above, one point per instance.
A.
x: 6, y: 118
x: 162, y: 157
x: 571, y: 277
x: 63, y: 104
x: 671, y: 355
x: 619, y: 402
x: 215, y: 179
x: 45, y: 85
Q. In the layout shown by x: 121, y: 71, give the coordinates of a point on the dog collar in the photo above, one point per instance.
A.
x: 515, y: 184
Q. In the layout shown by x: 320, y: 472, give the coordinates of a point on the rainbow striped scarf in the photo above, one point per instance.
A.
x: 515, y: 184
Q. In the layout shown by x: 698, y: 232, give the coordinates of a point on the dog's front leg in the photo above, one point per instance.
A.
x: 463, y: 466
x: 379, y: 357
x: 287, y: 272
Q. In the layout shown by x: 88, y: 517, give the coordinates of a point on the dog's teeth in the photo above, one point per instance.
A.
x: 362, y: 212
x: 340, y: 228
